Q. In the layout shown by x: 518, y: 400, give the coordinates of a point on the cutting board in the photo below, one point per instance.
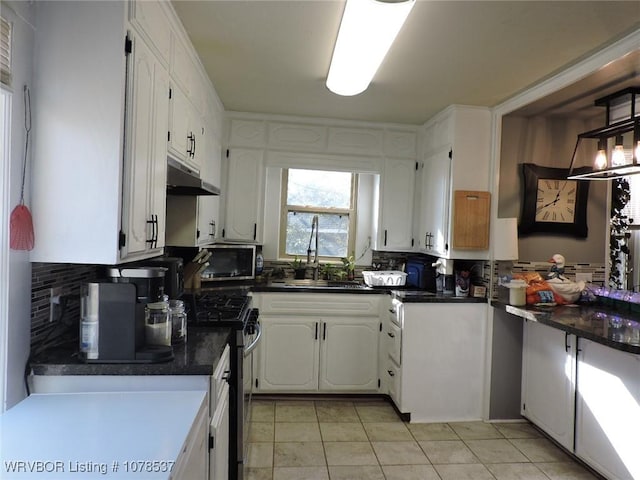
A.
x: 471, y: 213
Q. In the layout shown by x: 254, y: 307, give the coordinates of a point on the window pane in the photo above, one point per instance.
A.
x: 319, y: 188
x: 333, y: 238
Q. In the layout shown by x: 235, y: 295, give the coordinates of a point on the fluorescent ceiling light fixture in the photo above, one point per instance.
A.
x: 367, y: 30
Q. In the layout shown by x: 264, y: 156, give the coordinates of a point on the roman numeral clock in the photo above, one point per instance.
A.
x: 553, y: 204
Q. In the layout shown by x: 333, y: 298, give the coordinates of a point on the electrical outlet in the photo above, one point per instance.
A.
x: 584, y: 277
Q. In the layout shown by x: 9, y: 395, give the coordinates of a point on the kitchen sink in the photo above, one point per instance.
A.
x: 310, y: 283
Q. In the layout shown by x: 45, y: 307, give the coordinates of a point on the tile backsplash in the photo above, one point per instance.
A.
x: 44, y: 277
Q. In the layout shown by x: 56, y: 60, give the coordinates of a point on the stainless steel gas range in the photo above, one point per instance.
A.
x: 224, y: 307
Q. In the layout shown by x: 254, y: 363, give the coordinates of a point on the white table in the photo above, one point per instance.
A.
x: 96, y: 435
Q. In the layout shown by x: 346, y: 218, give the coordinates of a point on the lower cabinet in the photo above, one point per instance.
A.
x: 441, y: 348
x: 584, y: 395
x: 548, y: 380
x: 219, y: 432
x: 608, y: 410
x: 192, y: 461
x: 318, y: 354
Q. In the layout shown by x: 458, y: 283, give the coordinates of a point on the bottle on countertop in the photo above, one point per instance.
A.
x: 259, y: 263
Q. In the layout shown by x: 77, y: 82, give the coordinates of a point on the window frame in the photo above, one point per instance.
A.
x: 286, y: 208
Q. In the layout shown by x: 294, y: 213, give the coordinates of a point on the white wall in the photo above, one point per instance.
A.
x: 548, y: 142
x: 18, y: 290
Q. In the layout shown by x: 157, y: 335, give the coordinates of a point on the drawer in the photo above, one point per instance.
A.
x: 395, y: 312
x: 393, y: 381
x: 394, y: 342
x: 220, y: 376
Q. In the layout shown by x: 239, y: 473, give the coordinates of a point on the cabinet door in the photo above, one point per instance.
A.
x: 219, y: 431
x: 436, y: 187
x: 288, y: 354
x: 193, y: 460
x: 144, y: 188
x: 548, y: 380
x: 396, y: 207
x: 349, y: 354
x: 209, y: 205
x: 607, y: 410
x: 149, y: 18
x: 243, y: 195
x: 180, y: 118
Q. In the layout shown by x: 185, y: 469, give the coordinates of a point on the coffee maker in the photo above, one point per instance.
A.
x: 112, y: 327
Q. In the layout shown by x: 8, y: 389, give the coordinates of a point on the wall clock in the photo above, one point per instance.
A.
x: 553, y: 204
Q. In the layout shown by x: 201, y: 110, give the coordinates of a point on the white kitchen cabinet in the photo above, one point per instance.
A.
x: 608, y: 410
x: 318, y: 354
x: 145, y: 179
x: 192, y: 462
x: 150, y: 19
x: 548, y: 380
x: 395, y: 218
x: 288, y: 354
x: 318, y: 343
x: 243, y: 195
x: 84, y: 205
x: 349, y: 354
x: 219, y: 432
x: 186, y: 130
x: 435, y: 203
x: 194, y: 220
x: 440, y: 376
x: 209, y: 205
x: 456, y: 156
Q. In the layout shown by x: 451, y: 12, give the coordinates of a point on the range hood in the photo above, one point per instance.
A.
x: 181, y: 180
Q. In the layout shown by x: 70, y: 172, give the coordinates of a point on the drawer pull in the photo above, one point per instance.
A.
x: 391, y: 335
x: 391, y: 374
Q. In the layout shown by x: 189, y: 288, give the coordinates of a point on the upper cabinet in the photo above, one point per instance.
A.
x: 455, y: 157
x: 101, y: 119
x: 244, y: 199
x: 395, y: 212
x: 95, y: 99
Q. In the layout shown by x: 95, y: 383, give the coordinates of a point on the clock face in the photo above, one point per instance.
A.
x: 556, y: 200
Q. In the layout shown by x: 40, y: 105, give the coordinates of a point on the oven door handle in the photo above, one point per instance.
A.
x: 252, y: 346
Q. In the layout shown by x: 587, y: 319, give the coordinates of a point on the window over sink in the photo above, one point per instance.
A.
x: 332, y: 197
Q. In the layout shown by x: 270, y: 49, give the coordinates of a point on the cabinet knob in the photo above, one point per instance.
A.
x: 391, y: 374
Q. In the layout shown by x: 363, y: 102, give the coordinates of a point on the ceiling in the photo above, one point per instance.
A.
x: 273, y: 56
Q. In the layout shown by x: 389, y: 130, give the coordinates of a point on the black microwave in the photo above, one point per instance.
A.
x: 230, y: 262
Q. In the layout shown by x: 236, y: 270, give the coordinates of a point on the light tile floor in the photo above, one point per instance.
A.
x: 353, y: 440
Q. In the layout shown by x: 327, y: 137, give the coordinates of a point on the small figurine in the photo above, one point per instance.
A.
x: 567, y: 289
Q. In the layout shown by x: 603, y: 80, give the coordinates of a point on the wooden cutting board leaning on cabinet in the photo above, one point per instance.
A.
x: 471, y: 219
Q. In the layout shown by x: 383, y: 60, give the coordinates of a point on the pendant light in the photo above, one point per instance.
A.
x: 622, y: 117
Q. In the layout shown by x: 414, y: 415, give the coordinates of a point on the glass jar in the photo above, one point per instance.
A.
x: 178, y: 322
x: 157, y: 324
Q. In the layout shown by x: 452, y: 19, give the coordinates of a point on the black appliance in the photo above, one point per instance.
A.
x: 421, y: 274
x: 174, y: 275
x: 231, y: 307
x: 230, y: 262
x: 112, y: 326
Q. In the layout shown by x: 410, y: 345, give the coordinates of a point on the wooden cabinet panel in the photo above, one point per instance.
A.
x: 471, y: 219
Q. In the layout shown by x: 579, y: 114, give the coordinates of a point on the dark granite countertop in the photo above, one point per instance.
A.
x: 403, y: 294
x: 616, y: 328
x: 420, y: 296
x: 197, y: 357
x: 285, y: 288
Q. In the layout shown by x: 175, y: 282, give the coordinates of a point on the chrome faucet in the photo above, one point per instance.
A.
x: 316, y: 264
